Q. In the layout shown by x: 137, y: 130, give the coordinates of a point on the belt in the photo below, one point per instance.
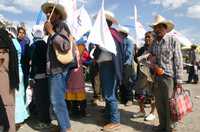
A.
x: 56, y: 70
x: 167, y: 76
x: 164, y: 76
x: 40, y: 76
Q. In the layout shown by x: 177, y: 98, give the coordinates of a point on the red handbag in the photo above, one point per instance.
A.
x: 180, y: 104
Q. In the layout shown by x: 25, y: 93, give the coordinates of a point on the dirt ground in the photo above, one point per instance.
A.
x: 93, y: 123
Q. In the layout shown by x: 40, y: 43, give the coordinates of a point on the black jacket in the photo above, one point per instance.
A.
x: 38, y: 57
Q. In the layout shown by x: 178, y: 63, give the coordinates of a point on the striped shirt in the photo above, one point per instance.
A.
x: 169, y: 57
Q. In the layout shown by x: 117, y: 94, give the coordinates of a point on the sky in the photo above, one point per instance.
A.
x: 184, y: 13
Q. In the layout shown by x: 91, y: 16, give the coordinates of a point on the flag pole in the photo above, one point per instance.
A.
x: 135, y: 16
x: 52, y: 11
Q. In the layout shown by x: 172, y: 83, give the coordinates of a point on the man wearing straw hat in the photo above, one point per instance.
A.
x: 110, y: 74
x: 128, y: 71
x: 167, y: 56
x: 57, y: 31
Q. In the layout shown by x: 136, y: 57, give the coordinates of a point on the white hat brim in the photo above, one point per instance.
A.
x: 169, y: 24
x: 123, y: 31
x: 112, y: 19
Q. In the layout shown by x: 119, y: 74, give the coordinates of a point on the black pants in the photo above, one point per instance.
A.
x: 94, y: 73
x: 41, y: 99
x: 3, y: 116
x: 163, y: 89
x: 76, y: 107
x: 192, y: 75
x: 126, y: 93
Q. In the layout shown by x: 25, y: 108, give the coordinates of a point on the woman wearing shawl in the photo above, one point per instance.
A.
x: 76, y: 95
x: 9, y: 79
x: 21, y: 112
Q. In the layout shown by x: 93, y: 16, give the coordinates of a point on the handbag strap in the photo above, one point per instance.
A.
x: 178, y: 91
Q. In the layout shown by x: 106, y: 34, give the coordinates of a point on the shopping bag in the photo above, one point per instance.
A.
x: 180, y: 104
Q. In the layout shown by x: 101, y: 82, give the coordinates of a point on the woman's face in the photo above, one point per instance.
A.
x: 21, y: 34
x: 2, y: 52
x: 149, y: 38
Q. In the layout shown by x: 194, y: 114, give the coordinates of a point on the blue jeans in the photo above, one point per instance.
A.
x: 58, y: 85
x: 109, y: 84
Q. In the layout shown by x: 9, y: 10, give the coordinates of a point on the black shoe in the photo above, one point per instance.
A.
x: 195, y: 82
x: 158, y: 129
x: 83, y: 113
x: 188, y: 82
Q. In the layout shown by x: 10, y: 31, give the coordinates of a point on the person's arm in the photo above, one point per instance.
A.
x: 60, y: 40
x: 129, y: 52
x: 34, y: 58
x: 178, y: 62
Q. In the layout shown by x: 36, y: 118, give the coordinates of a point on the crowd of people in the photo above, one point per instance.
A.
x: 154, y: 71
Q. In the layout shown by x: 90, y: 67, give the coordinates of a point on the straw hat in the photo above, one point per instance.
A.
x: 193, y: 46
x: 123, y: 29
x: 110, y: 16
x: 161, y: 20
x: 58, y: 7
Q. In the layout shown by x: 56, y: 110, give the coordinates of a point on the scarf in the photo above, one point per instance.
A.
x: 116, y: 35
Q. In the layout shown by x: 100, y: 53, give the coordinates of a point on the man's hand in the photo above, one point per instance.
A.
x: 152, y: 60
x: 48, y: 27
x: 31, y: 82
x: 177, y: 86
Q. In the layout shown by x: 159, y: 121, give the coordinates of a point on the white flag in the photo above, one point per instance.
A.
x: 100, y: 33
x: 80, y: 23
x: 70, y: 8
x: 69, y: 5
x: 181, y: 38
x: 139, y: 29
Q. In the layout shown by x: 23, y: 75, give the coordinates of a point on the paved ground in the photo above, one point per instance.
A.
x: 93, y: 122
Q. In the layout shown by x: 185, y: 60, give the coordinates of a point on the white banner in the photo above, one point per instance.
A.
x: 183, y: 40
x: 100, y: 33
x: 139, y: 29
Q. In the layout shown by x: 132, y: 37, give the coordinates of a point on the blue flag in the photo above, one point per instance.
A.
x: 39, y: 17
x: 83, y: 39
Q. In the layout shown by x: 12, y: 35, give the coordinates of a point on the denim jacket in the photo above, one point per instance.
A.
x: 128, y: 51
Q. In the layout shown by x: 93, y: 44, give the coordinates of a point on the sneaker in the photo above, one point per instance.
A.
x: 41, y: 125
x: 95, y: 102
x: 128, y: 103
x: 150, y: 117
x: 138, y: 114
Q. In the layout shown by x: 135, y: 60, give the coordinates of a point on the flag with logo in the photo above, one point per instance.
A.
x: 80, y: 23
